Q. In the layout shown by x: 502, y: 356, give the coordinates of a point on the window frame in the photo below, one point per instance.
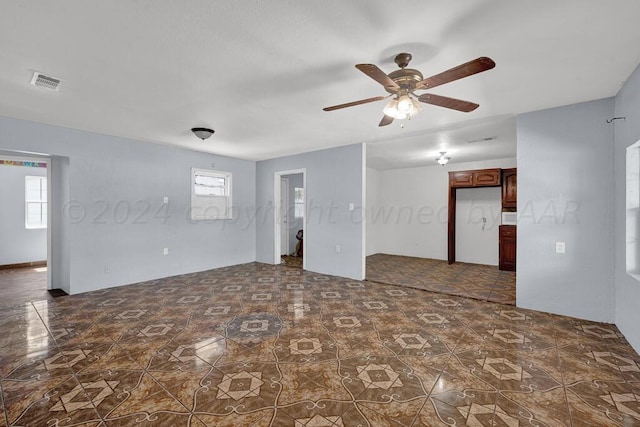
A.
x: 211, y: 203
x: 42, y: 201
x: 298, y: 205
x: 632, y: 207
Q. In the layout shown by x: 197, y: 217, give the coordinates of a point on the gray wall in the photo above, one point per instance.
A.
x: 565, y: 193
x: 17, y: 243
x: 115, y: 225
x: 334, y: 179
x: 627, y: 132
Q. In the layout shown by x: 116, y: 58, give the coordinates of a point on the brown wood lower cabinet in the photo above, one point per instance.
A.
x: 507, y: 247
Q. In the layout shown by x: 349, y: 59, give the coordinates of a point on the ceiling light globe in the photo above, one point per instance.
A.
x: 405, y: 104
x: 391, y: 110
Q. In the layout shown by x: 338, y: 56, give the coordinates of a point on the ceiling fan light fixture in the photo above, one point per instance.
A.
x: 404, y: 104
x: 442, y: 160
x: 402, y: 107
x: 391, y: 109
x: 416, y: 106
x: 202, y: 133
x: 402, y: 84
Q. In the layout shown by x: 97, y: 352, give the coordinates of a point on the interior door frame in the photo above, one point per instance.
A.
x: 277, y: 176
x: 451, y: 215
x: 283, y: 245
x: 17, y: 156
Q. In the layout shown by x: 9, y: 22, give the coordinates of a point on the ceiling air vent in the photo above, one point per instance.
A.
x: 46, y: 82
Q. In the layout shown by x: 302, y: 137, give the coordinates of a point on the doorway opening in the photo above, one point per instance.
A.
x: 477, y: 220
x: 25, y: 273
x: 290, y: 238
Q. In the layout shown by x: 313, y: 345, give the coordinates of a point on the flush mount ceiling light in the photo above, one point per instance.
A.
x: 202, y: 133
x: 442, y: 159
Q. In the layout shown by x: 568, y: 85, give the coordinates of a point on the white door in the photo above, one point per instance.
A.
x: 477, y: 221
x: 284, y: 208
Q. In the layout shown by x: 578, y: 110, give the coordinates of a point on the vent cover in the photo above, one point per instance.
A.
x: 46, y: 82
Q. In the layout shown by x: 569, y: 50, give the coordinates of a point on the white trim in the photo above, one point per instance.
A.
x: 632, y: 210
x: 284, y: 246
x: 364, y: 212
x: 297, y: 203
x: 39, y: 178
x: 49, y: 231
x: 228, y: 197
x: 276, y: 220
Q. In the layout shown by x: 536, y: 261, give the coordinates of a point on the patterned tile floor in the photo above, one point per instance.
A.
x: 484, y: 282
x: 263, y: 345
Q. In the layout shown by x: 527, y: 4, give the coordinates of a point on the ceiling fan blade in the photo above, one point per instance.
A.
x: 464, y: 70
x: 386, y: 120
x: 378, y: 75
x: 446, y: 102
x: 354, y: 103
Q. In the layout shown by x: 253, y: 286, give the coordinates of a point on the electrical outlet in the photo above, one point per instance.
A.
x: 166, y: 200
x: 107, y: 270
x: 560, y: 247
x: 165, y: 251
x: 337, y: 248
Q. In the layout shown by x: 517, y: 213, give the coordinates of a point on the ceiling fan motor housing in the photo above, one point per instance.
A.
x: 403, y: 59
x: 406, y: 78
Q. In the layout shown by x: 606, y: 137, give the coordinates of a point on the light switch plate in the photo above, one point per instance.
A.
x: 560, y: 247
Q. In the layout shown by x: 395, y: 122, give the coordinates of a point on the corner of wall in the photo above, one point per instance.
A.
x: 626, y: 133
x: 560, y: 198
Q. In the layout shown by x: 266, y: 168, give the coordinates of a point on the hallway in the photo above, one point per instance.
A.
x: 26, y: 284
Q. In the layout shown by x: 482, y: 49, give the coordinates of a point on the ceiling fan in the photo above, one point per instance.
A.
x: 402, y: 84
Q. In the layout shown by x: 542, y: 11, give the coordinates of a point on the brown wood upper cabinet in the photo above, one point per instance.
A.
x: 475, y: 178
x: 509, y: 188
x: 461, y: 179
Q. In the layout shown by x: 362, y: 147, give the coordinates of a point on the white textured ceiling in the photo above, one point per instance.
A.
x: 259, y: 72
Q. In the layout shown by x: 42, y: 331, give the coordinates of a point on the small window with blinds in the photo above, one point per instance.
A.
x: 210, y: 195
